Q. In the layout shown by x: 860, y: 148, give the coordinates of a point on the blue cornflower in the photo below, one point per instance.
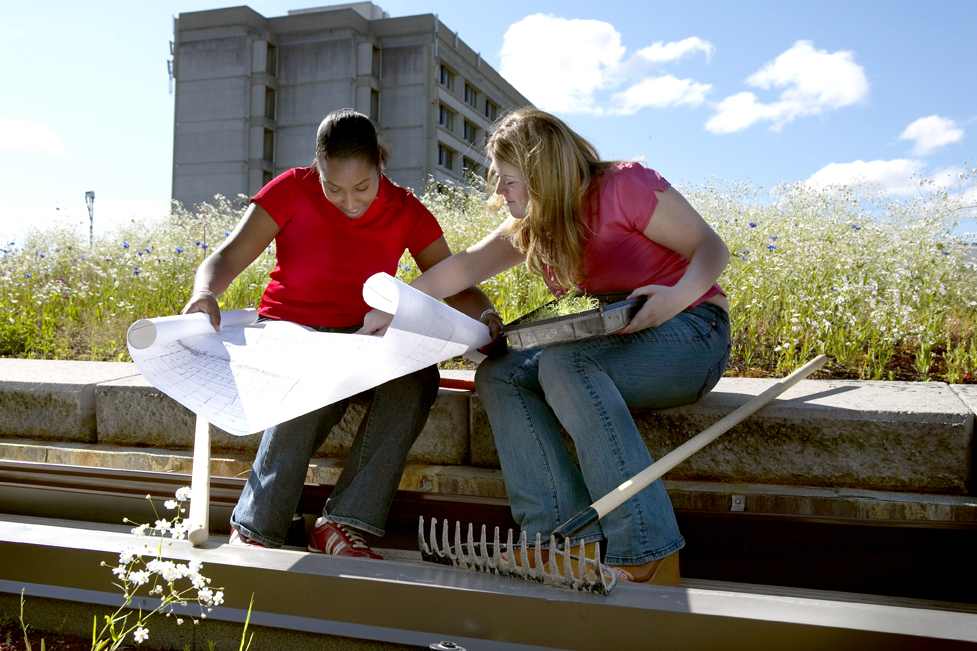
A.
x: 27, y: 275
x: 203, y: 246
x: 197, y: 243
x: 135, y: 270
x: 945, y: 252
x: 856, y: 227
x: 148, y: 251
x: 752, y: 224
x: 773, y: 238
x: 125, y: 245
x: 139, y: 252
x: 179, y: 250
x: 226, y: 233
x: 771, y: 247
x: 43, y: 255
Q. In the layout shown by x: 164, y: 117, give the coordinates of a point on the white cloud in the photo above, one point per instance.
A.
x: 29, y: 137
x: 931, y: 133
x: 895, y: 177
x: 564, y: 65
x: 663, y: 52
x: 659, y: 92
x: 813, y: 81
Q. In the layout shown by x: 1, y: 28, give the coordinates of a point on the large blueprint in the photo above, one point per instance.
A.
x: 250, y: 376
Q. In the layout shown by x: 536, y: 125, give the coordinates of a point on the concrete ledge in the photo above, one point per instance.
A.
x: 895, y: 436
x: 131, y: 412
x: 902, y: 436
x: 53, y: 400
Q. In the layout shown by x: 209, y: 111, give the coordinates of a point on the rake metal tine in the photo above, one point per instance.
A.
x: 567, y: 571
x: 445, y: 542
x: 470, y: 545
x: 458, y: 548
x: 434, y: 538
x: 511, y: 556
x: 538, y: 553
x: 484, y: 557
x: 524, y: 553
x: 420, y: 538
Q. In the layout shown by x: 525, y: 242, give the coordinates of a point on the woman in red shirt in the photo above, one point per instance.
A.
x: 335, y: 224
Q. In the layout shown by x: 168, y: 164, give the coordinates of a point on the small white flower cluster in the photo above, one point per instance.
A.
x: 161, y: 575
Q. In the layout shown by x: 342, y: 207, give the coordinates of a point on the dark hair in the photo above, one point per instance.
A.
x: 346, y: 134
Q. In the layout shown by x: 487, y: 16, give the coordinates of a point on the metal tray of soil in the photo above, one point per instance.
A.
x: 611, y: 316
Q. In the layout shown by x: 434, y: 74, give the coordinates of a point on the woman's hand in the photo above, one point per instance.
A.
x: 663, y: 303
x: 204, y: 301
x: 375, y: 323
x: 492, y: 321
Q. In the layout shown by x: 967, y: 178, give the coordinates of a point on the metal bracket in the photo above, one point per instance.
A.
x: 739, y: 503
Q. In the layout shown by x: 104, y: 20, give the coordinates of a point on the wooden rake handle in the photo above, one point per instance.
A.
x: 628, y: 489
x: 199, y: 518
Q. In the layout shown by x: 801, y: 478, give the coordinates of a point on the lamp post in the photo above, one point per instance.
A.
x: 90, y: 202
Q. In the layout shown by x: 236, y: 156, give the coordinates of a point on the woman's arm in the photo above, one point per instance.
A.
x: 467, y: 268
x: 676, y: 225
x: 252, y: 235
x: 453, y: 278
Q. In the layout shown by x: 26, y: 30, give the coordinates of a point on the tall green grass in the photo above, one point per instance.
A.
x: 878, y: 284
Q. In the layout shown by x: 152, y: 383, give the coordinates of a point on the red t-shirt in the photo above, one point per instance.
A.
x: 324, y: 257
x: 618, y: 256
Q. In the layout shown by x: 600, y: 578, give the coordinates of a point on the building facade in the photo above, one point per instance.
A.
x: 251, y: 91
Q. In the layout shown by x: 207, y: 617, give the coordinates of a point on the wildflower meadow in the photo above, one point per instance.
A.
x: 880, y: 285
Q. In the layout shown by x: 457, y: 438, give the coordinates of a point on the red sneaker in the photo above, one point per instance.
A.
x: 238, y: 538
x: 339, y: 540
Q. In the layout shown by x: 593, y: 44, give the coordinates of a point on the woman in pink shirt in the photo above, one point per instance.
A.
x: 598, y: 226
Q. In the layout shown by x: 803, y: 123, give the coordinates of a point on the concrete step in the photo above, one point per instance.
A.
x: 887, y: 436
x: 713, y: 497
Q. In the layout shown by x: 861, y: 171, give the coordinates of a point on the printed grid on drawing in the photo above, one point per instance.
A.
x: 213, y: 383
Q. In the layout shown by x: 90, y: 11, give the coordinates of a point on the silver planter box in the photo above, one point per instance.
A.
x: 604, y: 320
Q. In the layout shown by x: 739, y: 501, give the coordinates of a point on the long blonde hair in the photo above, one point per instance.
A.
x: 561, y: 170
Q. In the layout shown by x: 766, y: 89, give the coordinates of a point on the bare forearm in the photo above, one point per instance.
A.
x: 706, y: 266
x: 214, y: 275
x: 471, y: 302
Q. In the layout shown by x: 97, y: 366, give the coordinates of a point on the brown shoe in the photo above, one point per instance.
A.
x: 664, y: 571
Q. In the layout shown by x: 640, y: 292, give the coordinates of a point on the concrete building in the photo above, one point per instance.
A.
x: 251, y: 91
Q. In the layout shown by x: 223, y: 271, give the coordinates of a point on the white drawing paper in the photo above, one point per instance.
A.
x: 250, y: 376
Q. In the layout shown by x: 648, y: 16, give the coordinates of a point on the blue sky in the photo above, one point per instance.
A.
x: 764, y: 91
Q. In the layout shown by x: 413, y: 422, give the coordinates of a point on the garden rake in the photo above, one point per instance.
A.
x: 581, y: 572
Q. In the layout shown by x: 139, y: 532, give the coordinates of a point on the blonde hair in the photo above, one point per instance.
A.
x: 561, y: 170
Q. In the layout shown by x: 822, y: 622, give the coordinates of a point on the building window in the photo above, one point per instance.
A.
x: 269, y: 148
x: 446, y: 78
x: 470, y: 95
x: 471, y: 133
x: 270, y: 103
x: 375, y: 71
x: 491, y: 110
x: 266, y: 177
x: 445, y: 157
x: 470, y: 168
x: 271, y: 59
x: 445, y: 117
x: 375, y: 106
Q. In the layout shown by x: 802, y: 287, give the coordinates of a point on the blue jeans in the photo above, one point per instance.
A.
x: 588, y: 386
x: 395, y: 415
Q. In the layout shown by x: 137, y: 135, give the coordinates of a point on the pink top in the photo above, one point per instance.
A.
x: 618, y: 256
